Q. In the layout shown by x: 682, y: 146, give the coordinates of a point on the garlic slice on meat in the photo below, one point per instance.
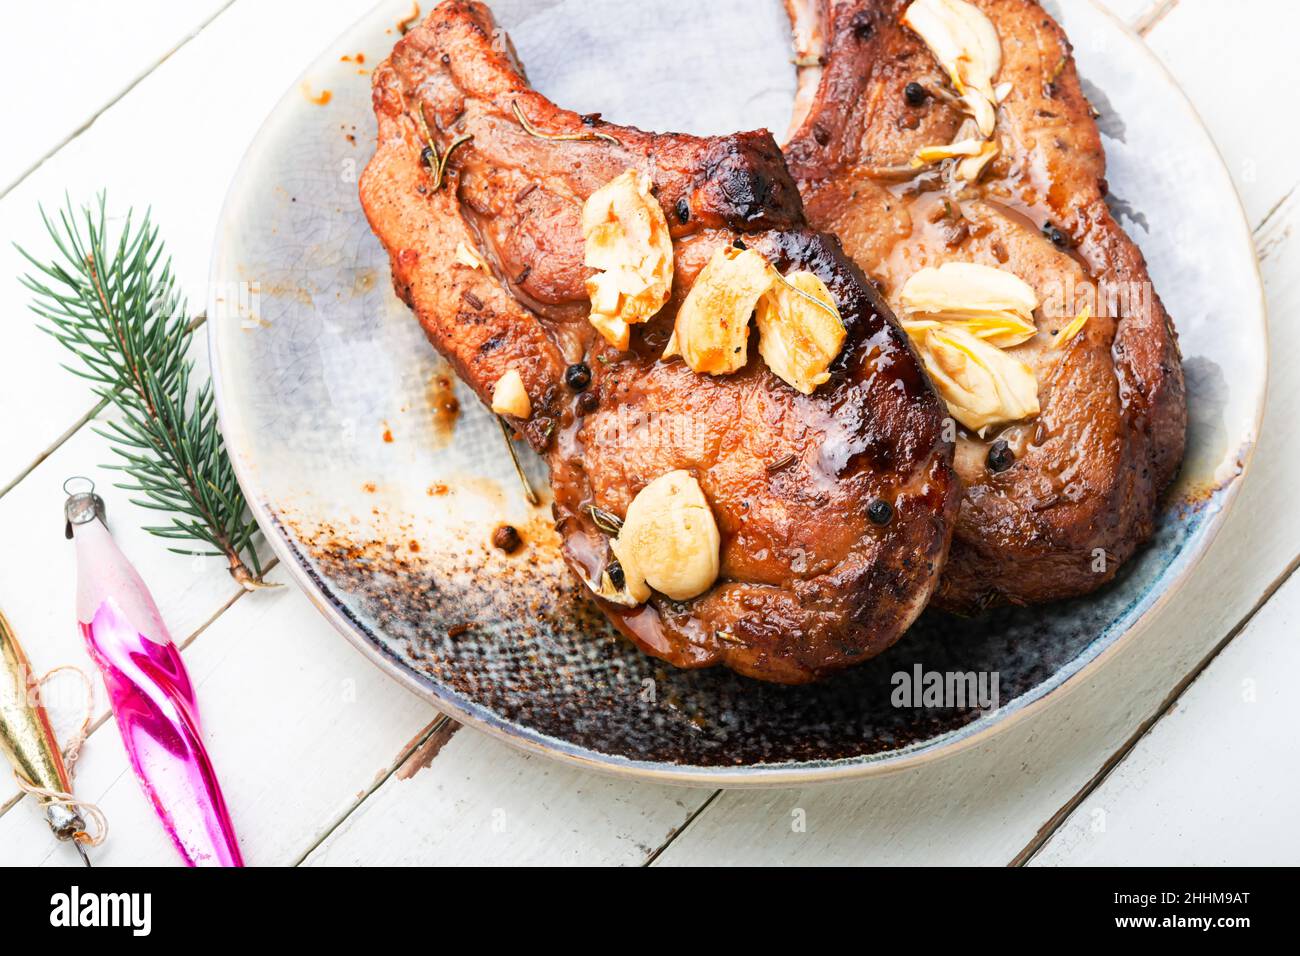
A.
x: 971, y: 167
x: 982, y: 110
x: 962, y: 39
x: 509, y: 396
x: 999, y: 303
x: 469, y: 257
x: 797, y: 337
x: 1074, y: 328
x: 626, y: 240
x: 933, y: 154
x: 981, y: 384
x: 712, y: 328
x: 669, y: 540
x: 1003, y: 332
x: 965, y: 43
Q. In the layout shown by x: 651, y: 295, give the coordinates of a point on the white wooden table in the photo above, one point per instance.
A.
x: 1182, y: 750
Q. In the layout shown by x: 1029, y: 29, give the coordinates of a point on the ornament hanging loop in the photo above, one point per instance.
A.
x: 83, y: 504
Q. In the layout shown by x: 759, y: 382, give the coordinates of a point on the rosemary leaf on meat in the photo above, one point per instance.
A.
x: 606, y: 521
x: 811, y: 298
x: 532, y: 130
x: 112, y: 302
x: 437, y: 161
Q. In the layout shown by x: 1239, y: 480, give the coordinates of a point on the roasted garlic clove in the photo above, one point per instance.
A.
x: 800, y: 331
x: 626, y: 239
x: 981, y: 384
x: 509, y: 396
x: 712, y: 328
x: 669, y: 540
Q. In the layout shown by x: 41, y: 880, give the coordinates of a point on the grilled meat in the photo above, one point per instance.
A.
x: 1054, y: 504
x: 835, y: 509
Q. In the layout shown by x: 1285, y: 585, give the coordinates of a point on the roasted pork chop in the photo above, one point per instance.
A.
x: 834, y: 509
x: 1055, y: 502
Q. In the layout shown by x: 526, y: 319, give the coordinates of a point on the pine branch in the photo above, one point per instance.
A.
x: 115, y: 307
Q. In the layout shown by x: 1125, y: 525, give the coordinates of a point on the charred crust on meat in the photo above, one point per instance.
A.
x: 746, y: 185
x: 861, y: 25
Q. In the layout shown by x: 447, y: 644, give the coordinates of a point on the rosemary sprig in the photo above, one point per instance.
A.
x: 527, y: 485
x: 532, y: 130
x: 114, y: 305
x: 437, y: 163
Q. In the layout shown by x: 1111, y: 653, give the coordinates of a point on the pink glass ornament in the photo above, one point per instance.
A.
x: 150, y: 692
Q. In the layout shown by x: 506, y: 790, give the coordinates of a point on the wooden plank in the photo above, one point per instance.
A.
x: 174, y: 144
x: 477, y: 801
x: 79, y: 58
x: 986, y: 804
x: 299, y: 725
x: 1214, y: 782
x: 1227, y: 61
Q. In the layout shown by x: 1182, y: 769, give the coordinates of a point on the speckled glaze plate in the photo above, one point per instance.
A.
x: 379, y: 480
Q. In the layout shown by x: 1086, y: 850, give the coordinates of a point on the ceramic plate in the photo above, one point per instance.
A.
x: 379, y: 479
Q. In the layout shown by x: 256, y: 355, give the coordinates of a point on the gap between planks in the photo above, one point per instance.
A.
x: 116, y: 99
x: 407, y: 753
x: 1146, y: 22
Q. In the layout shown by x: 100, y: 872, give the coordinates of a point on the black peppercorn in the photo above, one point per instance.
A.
x: 740, y: 244
x: 1057, y: 236
x: 880, y: 511
x: 615, y: 572
x: 577, y: 376
x: 683, y: 211
x: 587, y: 403
x: 506, y: 537
x: 915, y: 94
x: 1001, y: 457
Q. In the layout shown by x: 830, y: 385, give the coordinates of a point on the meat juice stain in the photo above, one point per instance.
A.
x: 320, y: 99
x: 444, y: 407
